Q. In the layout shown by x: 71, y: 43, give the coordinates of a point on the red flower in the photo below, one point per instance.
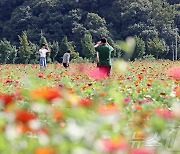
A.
x: 9, y: 81
x: 86, y: 102
x: 25, y: 116
x: 164, y: 113
x: 6, y: 99
x: 140, y: 76
x: 41, y: 75
x: 149, y: 85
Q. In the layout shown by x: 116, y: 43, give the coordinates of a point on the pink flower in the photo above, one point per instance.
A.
x: 142, y: 151
x: 114, y: 144
x: 127, y: 99
x: 175, y: 73
x: 145, y: 101
x: 164, y: 113
x: 95, y: 73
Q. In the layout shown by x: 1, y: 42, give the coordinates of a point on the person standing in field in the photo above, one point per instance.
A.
x: 104, y: 51
x: 44, y: 49
x: 66, y: 58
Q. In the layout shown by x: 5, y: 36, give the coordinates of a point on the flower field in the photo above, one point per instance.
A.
x: 80, y: 111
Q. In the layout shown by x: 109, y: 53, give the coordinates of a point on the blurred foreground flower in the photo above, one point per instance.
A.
x: 164, y: 113
x: 121, y: 66
x: 95, y: 73
x: 143, y: 151
x: 115, y: 144
x: 175, y: 73
x: 108, y: 109
x: 47, y: 93
x: 45, y: 150
x: 25, y: 116
x: 6, y: 99
x: 85, y: 102
x: 177, y: 91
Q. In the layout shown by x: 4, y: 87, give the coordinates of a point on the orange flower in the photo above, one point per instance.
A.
x: 25, y: 116
x: 84, y: 88
x: 45, y: 150
x: 120, y: 78
x: 108, y: 109
x: 102, y: 94
x: 177, y: 90
x: 138, y: 90
x: 23, y: 128
x: 138, y: 107
x: 58, y: 115
x: 47, y: 93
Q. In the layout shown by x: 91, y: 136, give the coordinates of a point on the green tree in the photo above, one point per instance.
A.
x: 8, y: 52
x: 24, y: 51
x: 96, y: 26
x: 156, y: 47
x: 75, y: 55
x: 65, y: 45
x: 139, y: 49
x: 43, y: 40
x: 54, y: 50
x: 88, y: 46
x: 34, y: 58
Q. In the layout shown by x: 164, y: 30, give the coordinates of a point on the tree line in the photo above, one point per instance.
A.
x: 80, y: 23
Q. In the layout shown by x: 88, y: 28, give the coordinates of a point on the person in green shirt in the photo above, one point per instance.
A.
x: 104, y: 51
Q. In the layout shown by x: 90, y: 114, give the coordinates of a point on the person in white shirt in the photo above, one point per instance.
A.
x: 66, y: 58
x: 44, y: 49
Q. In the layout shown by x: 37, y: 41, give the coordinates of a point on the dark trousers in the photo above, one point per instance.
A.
x: 65, y: 65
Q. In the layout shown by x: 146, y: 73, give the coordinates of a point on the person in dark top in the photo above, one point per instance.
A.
x: 66, y: 58
x: 104, y: 51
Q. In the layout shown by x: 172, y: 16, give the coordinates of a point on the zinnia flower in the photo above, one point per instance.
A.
x: 86, y: 102
x: 164, y: 113
x: 45, y: 150
x: 115, y: 144
x: 25, y: 116
x: 143, y: 151
x: 6, y: 99
x: 47, y: 93
x: 108, y: 109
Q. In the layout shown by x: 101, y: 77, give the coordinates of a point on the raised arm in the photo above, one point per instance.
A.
x: 97, y: 57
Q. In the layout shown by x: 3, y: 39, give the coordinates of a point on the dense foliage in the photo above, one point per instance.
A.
x: 150, y: 20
